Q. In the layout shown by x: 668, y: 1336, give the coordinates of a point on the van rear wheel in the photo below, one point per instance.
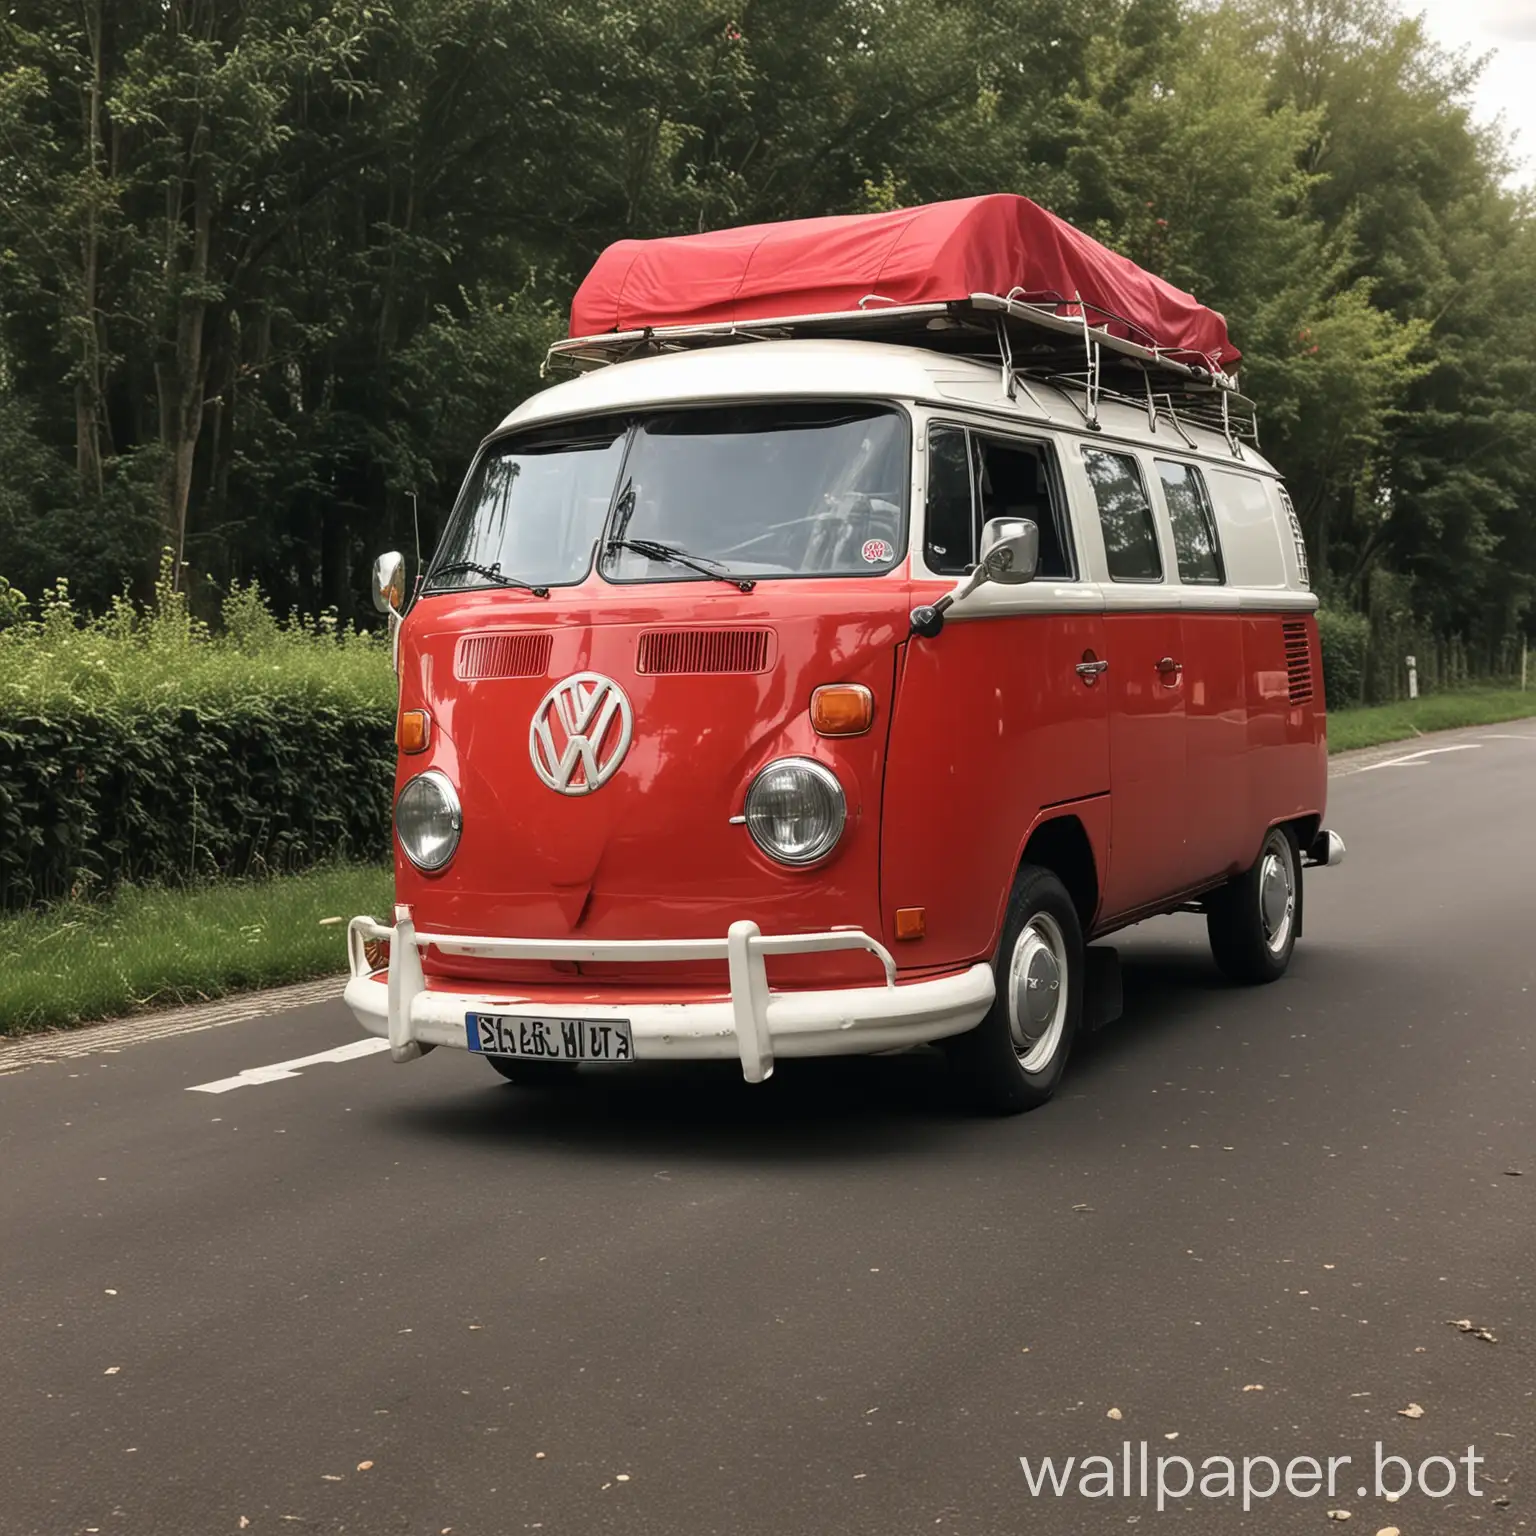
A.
x: 533, y: 1074
x: 1253, y: 919
x: 1013, y: 1060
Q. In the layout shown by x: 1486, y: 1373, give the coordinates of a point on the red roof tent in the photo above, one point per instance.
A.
x: 1000, y: 244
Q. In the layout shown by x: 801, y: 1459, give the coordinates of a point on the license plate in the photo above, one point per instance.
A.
x: 549, y: 1039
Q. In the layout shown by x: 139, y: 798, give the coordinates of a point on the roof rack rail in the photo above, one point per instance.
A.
x: 1043, y: 338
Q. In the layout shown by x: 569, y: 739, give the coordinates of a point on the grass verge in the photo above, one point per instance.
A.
x: 154, y: 947
x: 1369, y: 727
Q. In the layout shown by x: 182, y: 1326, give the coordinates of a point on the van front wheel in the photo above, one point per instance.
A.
x: 1013, y: 1060
x: 1253, y: 919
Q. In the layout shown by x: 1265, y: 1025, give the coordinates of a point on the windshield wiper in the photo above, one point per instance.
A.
x: 491, y: 573
x: 654, y: 549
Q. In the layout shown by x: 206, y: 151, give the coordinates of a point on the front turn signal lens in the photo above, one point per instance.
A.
x: 911, y: 923
x: 413, y: 730
x: 842, y: 709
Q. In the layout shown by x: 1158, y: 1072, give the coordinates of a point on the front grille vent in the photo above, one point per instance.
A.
x: 1298, y: 661
x: 502, y: 655
x: 704, y: 650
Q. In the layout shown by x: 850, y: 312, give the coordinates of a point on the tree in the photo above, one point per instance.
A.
x: 270, y: 268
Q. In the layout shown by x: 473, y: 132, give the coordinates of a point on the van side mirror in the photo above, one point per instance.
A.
x: 389, y: 582
x: 1010, y: 550
x: 1010, y: 555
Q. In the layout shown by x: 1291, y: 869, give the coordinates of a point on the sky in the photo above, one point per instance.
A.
x: 1508, y: 85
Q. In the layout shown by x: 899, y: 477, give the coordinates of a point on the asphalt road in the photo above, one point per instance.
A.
x: 380, y: 1299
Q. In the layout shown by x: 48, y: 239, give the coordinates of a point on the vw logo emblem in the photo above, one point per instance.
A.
x: 580, y: 733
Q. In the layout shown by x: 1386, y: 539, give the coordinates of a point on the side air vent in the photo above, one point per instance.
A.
x: 1298, y: 661
x: 704, y: 650
x: 504, y: 655
x: 1301, y: 543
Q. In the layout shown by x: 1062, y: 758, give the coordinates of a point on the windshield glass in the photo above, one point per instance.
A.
x: 534, y: 508
x: 763, y: 491
x: 753, y: 490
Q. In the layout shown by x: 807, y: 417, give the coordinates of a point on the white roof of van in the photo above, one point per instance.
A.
x: 809, y: 369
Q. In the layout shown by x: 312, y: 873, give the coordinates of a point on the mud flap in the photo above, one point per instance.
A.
x: 1103, y: 998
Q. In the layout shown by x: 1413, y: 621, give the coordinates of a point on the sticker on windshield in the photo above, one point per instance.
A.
x: 877, y: 552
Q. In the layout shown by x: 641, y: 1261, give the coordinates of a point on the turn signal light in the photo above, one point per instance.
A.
x: 911, y: 922
x: 842, y: 709
x: 413, y: 730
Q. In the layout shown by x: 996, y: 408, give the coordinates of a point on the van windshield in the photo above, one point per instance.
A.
x: 533, y: 510
x: 758, y: 491
x: 764, y: 491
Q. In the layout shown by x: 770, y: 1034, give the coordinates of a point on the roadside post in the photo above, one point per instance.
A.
x: 1413, y: 677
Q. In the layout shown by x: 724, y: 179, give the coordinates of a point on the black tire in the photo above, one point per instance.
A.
x: 533, y: 1074
x: 1003, y: 1067
x: 1254, y: 919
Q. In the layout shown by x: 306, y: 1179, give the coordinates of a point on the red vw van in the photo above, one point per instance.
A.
x: 886, y: 609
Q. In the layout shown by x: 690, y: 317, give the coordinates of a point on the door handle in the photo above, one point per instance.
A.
x: 1091, y: 669
x: 1169, y: 668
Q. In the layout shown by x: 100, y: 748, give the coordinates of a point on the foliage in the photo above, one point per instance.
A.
x: 13, y: 604
x: 269, y: 268
x: 138, y: 746
x: 1345, y: 640
x: 153, y: 947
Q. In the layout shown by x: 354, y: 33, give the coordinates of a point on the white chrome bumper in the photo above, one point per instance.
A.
x: 753, y: 1023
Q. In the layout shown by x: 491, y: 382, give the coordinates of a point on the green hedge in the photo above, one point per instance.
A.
x: 143, y: 747
x: 1345, y: 640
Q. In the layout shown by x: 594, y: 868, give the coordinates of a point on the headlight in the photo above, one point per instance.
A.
x: 428, y: 820
x: 795, y: 810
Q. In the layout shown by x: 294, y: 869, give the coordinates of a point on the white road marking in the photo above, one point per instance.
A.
x: 71, y: 1044
x: 1413, y: 757
x: 282, y: 1069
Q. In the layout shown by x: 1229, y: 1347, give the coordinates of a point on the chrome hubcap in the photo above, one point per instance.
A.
x: 1277, y: 899
x: 1037, y: 991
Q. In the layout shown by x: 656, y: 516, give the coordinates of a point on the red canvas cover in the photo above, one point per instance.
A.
x: 998, y: 244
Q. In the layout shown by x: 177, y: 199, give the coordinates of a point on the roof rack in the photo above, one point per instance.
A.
x: 1042, y: 338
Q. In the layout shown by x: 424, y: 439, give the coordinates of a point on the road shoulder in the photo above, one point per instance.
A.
x: 1343, y: 764
x: 35, y: 1050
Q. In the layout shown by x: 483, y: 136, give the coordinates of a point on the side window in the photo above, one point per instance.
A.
x: 1194, y: 525
x: 1125, y: 514
x: 1251, y: 549
x: 1015, y: 481
x: 950, y: 535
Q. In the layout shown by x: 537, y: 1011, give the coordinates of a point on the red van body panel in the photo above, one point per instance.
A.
x: 1220, y: 828
x: 1174, y: 776
x: 1287, y: 748
x: 992, y: 723
x: 980, y: 735
x: 1148, y: 761
x: 653, y: 854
